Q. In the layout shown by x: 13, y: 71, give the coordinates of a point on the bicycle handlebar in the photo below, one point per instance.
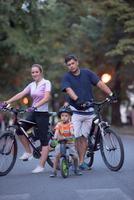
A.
x: 66, y: 139
x: 97, y: 103
x: 20, y: 110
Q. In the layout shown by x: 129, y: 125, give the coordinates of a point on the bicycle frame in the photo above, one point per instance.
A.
x: 98, y: 123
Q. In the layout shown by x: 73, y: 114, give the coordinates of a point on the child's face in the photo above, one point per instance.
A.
x: 65, y: 117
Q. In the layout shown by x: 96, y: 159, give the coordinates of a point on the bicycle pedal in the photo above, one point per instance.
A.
x: 89, y: 153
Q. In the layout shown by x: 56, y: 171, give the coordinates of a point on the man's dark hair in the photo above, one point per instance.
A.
x: 70, y: 57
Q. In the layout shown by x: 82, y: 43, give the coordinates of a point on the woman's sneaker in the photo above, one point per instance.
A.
x: 26, y: 156
x: 38, y: 169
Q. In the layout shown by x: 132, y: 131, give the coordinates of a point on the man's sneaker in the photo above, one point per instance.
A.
x: 53, y: 174
x: 84, y: 166
x: 26, y: 156
x: 77, y: 173
x: 38, y: 169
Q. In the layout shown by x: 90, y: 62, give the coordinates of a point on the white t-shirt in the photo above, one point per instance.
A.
x: 37, y: 92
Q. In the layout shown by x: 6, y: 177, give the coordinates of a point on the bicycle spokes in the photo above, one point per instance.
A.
x: 112, y: 150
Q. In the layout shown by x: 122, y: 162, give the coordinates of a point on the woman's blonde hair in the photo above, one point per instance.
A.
x: 39, y: 67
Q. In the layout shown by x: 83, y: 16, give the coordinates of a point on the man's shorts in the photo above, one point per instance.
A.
x: 82, y: 124
x: 71, y: 148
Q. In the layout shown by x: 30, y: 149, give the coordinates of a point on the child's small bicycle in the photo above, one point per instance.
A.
x: 66, y: 160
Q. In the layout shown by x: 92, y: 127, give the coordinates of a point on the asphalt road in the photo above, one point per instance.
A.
x: 97, y: 184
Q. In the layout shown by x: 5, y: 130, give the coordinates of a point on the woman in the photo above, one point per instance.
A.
x: 40, y: 92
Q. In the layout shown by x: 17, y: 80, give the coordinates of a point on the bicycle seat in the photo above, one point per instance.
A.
x: 26, y: 121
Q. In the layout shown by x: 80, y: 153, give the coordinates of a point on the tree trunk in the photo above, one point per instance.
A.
x: 116, y: 116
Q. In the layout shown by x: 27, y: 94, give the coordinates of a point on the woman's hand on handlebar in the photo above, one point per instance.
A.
x: 31, y: 109
x: 3, y: 105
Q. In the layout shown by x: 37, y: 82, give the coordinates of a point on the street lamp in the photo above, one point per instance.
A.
x: 25, y: 100
x: 106, y: 77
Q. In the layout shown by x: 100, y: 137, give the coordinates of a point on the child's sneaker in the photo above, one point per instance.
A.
x: 77, y: 172
x: 53, y: 174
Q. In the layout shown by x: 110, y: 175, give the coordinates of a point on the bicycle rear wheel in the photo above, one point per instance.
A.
x: 89, y: 158
x: 8, y: 152
x: 112, y: 150
x: 49, y: 160
x: 37, y: 155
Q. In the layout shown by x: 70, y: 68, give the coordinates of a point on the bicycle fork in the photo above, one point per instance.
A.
x: 102, y: 126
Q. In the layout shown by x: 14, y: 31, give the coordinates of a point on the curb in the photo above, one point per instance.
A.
x: 124, y: 130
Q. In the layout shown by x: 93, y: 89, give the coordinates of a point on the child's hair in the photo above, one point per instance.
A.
x: 64, y: 109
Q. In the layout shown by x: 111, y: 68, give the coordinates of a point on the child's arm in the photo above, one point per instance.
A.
x: 58, y: 136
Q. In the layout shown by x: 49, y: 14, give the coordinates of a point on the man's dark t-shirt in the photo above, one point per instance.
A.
x: 81, y: 84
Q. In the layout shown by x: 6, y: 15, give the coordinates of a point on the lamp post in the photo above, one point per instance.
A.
x: 106, y: 77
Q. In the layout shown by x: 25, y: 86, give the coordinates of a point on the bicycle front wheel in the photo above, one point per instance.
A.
x: 112, y: 150
x: 8, y: 152
x: 64, y: 166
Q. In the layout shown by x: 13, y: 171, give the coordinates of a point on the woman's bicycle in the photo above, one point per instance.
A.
x: 8, y: 142
x: 103, y: 138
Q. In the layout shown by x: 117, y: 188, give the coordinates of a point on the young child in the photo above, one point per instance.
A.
x: 64, y: 129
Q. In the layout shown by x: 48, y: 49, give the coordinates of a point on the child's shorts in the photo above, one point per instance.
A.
x: 71, y: 148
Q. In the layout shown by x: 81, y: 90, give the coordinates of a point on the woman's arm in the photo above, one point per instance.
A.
x: 16, y: 97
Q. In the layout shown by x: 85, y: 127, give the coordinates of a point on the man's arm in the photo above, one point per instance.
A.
x: 71, y: 93
x: 104, y: 88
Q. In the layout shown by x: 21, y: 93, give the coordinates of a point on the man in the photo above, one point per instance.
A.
x: 77, y: 83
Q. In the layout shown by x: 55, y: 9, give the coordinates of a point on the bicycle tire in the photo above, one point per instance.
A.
x: 50, y: 161
x: 8, y: 152
x: 37, y: 155
x: 64, y: 167
x: 111, y: 150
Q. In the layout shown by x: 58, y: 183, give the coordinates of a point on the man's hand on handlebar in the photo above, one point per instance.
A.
x: 113, y: 97
x: 81, y: 105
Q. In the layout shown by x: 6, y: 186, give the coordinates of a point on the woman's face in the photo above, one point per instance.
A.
x: 36, y: 73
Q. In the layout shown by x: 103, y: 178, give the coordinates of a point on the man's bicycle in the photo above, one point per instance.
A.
x: 103, y: 138
x: 8, y: 142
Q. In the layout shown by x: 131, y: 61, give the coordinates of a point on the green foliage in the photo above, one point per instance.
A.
x: 120, y: 16
x: 45, y: 31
